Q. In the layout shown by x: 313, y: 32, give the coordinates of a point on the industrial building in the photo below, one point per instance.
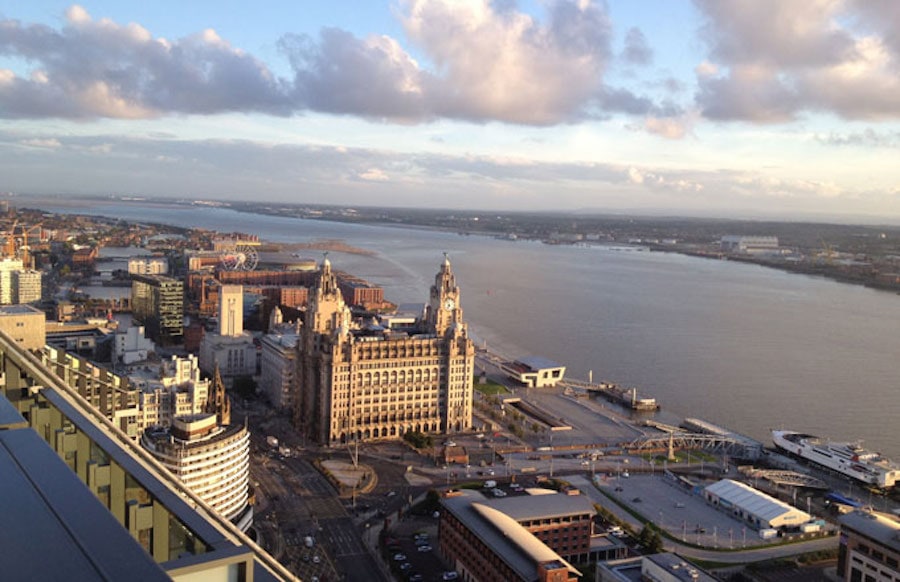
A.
x: 752, y: 506
x: 749, y: 245
x: 870, y: 547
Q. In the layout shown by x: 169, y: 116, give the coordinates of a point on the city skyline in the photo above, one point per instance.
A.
x: 759, y: 109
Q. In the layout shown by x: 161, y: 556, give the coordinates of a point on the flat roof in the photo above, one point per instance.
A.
x: 539, y: 363
x: 22, y: 309
x: 880, y: 527
x: 47, y: 512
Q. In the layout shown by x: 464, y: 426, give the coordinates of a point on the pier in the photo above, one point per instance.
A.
x: 627, y: 397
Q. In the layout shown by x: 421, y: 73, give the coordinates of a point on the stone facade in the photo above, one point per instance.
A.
x: 358, y: 380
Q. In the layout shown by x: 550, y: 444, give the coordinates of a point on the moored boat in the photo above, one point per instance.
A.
x: 846, y: 458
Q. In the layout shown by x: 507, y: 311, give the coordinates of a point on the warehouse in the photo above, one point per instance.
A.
x: 755, y: 507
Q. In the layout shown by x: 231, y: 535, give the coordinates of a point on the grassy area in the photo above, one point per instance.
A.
x: 491, y: 388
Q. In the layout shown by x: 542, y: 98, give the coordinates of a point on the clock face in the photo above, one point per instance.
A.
x: 449, y: 304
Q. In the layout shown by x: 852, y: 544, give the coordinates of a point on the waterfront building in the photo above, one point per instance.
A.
x: 8, y: 266
x: 753, y: 506
x: 26, y: 325
x: 278, y: 363
x: 360, y: 380
x: 26, y: 287
x: 869, y: 547
x: 749, y: 245
x: 536, y: 372
x: 484, y: 544
x: 157, y: 302
x: 148, y: 266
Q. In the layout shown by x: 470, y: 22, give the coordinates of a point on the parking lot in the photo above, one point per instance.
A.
x: 685, y: 516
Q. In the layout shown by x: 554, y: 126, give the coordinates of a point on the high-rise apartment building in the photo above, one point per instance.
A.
x: 8, y: 266
x: 358, y: 381
x: 157, y: 302
x: 26, y: 287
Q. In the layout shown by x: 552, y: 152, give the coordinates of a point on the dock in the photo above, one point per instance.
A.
x: 628, y: 397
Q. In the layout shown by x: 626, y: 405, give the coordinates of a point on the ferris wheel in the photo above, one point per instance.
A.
x: 241, y: 256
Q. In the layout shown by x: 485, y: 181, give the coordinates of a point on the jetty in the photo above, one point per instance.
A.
x: 628, y: 397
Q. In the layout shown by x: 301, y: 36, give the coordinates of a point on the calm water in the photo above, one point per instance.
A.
x: 740, y: 345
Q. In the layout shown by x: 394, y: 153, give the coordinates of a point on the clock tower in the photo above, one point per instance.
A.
x: 444, y: 311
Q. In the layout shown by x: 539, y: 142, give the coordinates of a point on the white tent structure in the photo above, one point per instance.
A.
x: 753, y: 506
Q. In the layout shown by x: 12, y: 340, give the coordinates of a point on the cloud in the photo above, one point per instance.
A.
x: 43, y: 143
x: 242, y: 169
x: 483, y: 61
x: 868, y: 138
x: 771, y: 61
x: 637, y: 51
x: 374, y: 175
x: 667, y: 127
x: 98, y: 68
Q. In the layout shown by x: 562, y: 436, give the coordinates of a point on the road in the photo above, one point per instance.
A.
x: 298, y: 503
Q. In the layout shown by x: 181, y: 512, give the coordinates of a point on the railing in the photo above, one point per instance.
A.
x: 143, y: 496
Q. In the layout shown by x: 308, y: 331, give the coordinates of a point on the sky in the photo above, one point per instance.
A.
x: 728, y: 108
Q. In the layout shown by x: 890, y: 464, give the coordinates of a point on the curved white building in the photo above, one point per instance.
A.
x: 212, y: 459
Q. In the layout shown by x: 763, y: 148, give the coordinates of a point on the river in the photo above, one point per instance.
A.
x: 743, y: 346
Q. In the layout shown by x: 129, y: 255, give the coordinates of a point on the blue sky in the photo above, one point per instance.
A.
x: 736, y: 108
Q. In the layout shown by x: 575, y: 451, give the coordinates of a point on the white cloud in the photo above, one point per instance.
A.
x: 373, y: 175
x: 486, y: 61
x: 776, y: 60
x: 43, y: 143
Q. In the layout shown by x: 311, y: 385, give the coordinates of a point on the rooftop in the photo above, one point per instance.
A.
x: 515, y: 545
x: 880, y: 527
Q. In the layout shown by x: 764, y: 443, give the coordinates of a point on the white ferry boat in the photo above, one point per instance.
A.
x: 846, y: 458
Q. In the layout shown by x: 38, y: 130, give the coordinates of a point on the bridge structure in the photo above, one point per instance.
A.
x: 732, y: 446
x: 48, y: 426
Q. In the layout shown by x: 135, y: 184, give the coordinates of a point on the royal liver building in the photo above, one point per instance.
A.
x: 377, y: 379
